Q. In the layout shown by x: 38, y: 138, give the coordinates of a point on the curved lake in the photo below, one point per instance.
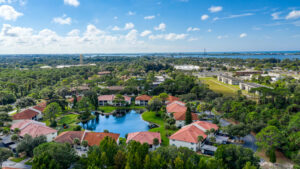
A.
x: 130, y: 122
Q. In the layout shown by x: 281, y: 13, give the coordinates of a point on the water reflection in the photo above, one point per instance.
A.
x: 123, y: 122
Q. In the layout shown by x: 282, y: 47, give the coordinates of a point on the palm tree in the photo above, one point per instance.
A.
x: 16, y: 130
x: 207, y: 132
x: 200, y: 139
x: 84, y: 143
x: 14, y: 138
x: 155, y: 142
x: 76, y: 142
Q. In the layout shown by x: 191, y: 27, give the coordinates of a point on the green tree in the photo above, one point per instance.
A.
x: 110, y: 147
x: 269, y: 138
x: 51, y: 111
x: 236, y: 157
x: 28, y: 144
x: 63, y: 154
x: 119, y: 100
x: 5, y: 153
x: 249, y: 166
x: 120, y: 160
x: 238, y: 130
x: 178, y: 163
x: 155, y: 104
x: 188, y: 116
x: 163, y: 96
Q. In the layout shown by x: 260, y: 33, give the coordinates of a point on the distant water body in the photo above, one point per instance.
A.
x: 241, y: 55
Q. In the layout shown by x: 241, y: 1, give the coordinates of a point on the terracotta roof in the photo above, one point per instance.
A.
x: 143, y: 97
x: 176, y: 102
x: 191, y: 132
x: 32, y: 128
x: 172, y: 98
x: 181, y: 116
x: 112, y: 97
x: 68, y: 136
x: 115, y: 88
x: 176, y: 108
x: 188, y: 134
x: 27, y: 114
x: 144, y: 137
x: 72, y: 99
x: 104, y: 73
x: 94, y: 138
x: 206, y: 125
x: 42, y: 104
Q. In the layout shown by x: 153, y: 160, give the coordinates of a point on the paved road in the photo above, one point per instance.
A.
x: 249, y: 142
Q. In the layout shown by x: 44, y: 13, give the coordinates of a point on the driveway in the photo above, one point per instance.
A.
x: 20, y: 165
x: 249, y: 142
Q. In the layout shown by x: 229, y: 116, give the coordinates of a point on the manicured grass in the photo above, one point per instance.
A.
x: 109, y: 109
x: 17, y: 160
x: 219, y: 87
x: 68, y: 119
x: 152, y: 118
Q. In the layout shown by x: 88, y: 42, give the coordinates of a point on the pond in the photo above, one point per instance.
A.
x: 128, y: 123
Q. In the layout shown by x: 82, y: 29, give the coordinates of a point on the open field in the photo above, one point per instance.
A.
x: 219, y: 87
x: 152, y: 118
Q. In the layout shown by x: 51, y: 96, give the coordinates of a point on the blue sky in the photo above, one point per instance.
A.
x: 117, y: 26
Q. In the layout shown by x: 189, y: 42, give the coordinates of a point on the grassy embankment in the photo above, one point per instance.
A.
x: 152, y: 118
x: 109, y: 109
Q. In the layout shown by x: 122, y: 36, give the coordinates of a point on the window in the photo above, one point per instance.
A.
x: 192, y: 143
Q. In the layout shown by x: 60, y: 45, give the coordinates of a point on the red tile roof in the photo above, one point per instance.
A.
x: 144, y: 137
x: 94, y: 138
x: 68, y: 136
x: 27, y: 114
x: 176, y: 108
x: 143, y: 97
x: 191, y: 132
x: 111, y: 98
x: 188, y: 134
x: 72, y: 99
x: 181, y: 116
x: 104, y: 73
x: 172, y: 98
x: 32, y: 128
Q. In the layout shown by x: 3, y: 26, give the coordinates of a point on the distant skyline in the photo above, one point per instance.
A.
x: 148, y: 26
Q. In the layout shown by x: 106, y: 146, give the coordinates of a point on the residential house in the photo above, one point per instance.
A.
x: 145, y: 137
x: 171, y: 99
x: 79, y: 89
x: 178, y: 110
x: 104, y: 73
x: 71, y: 101
x: 142, y: 100
x: 228, y: 80
x: 109, y: 100
x: 32, y: 113
x: 34, y: 129
x: 188, y: 136
x: 93, y: 138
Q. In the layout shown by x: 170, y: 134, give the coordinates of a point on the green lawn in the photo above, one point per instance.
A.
x: 152, y: 118
x: 17, y: 160
x: 219, y: 87
x: 68, y: 119
x: 109, y: 109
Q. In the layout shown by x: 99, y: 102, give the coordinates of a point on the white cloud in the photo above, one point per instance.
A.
x: 243, y: 35
x: 204, y: 17
x: 129, y: 25
x: 72, y: 2
x: 149, y: 17
x: 145, y: 33
x: 209, y: 30
x: 74, y: 33
x: 214, y: 9
x: 234, y: 16
x: 160, y: 27
x: 189, y: 29
x: 116, y: 28
x: 9, y: 13
x: 132, y: 35
x: 169, y: 37
x: 64, y: 20
x: 130, y: 13
x: 192, y: 39
x: 222, y: 36
x: 293, y: 15
x: 275, y: 16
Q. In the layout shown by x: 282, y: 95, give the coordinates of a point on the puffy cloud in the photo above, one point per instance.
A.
x: 9, y: 13
x: 10, y: 31
x: 214, y: 9
x: 116, y: 28
x: 129, y: 25
x: 132, y: 35
x: 74, y: 33
x: 204, y: 17
x: 145, y: 33
x: 243, y: 35
x: 64, y: 20
x: 222, y: 36
x: 192, y: 29
x: 293, y: 15
x: 72, y: 2
x: 130, y: 13
x: 170, y: 36
x: 160, y: 27
x: 275, y: 16
x: 149, y: 17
